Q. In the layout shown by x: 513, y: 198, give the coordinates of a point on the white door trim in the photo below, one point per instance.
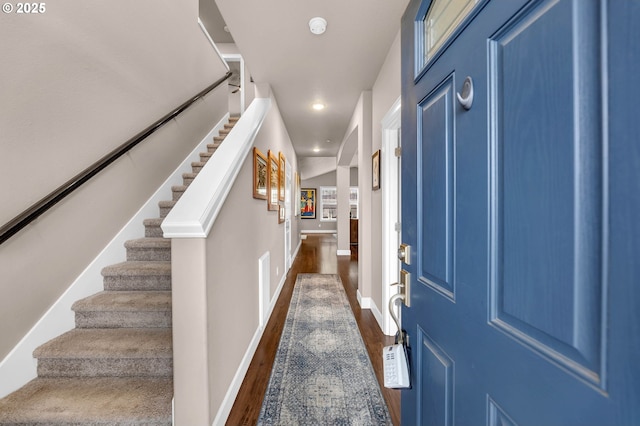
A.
x: 390, y: 211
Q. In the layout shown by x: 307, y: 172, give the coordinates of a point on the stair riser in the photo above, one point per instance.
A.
x: 152, y: 254
x: 119, y: 367
x: 177, y: 195
x: 164, y: 211
x: 204, y: 157
x: 187, y: 181
x: 151, y: 319
x: 153, y: 232
x: 137, y: 283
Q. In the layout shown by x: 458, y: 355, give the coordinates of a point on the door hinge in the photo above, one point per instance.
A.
x: 398, y: 151
x: 398, y: 227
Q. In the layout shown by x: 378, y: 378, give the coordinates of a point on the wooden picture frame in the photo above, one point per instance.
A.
x: 308, y: 203
x: 375, y: 170
x: 281, y: 180
x: 273, y: 181
x: 259, y: 174
x: 281, y: 213
x: 296, y: 190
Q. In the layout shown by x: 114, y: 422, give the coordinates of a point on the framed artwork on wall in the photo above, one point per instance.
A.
x: 296, y: 190
x: 259, y: 174
x: 281, y: 176
x: 273, y: 178
x: 308, y: 203
x: 375, y: 166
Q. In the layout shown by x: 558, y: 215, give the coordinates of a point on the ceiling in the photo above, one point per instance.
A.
x: 302, y: 68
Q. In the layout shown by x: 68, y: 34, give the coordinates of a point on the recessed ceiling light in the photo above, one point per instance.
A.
x: 318, y: 106
x: 317, y: 25
x: 328, y: 141
x: 316, y: 149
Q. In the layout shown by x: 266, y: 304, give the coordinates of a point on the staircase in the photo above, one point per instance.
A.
x: 116, y: 366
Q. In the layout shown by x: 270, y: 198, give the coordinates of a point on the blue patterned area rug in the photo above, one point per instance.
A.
x: 322, y: 374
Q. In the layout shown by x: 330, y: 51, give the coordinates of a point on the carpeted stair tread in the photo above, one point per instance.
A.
x: 161, y: 243
x: 152, y: 227
x: 117, y: 301
x: 137, y: 269
x: 109, y: 343
x: 90, y: 401
x: 177, y: 191
x: 153, y: 249
x: 205, y: 156
x: 187, y: 178
x: 166, y: 203
x: 126, y: 309
x: 218, y: 139
x: 133, y: 275
x: 212, y: 147
x: 197, y: 166
x: 154, y: 221
x: 165, y: 207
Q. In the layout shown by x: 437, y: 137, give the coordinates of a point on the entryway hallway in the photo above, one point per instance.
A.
x: 317, y: 254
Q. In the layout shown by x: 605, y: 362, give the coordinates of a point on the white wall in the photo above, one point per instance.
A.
x: 77, y: 81
x: 386, y: 91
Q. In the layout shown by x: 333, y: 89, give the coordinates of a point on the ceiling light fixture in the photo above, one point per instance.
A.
x: 318, y: 106
x: 317, y: 25
x: 316, y: 149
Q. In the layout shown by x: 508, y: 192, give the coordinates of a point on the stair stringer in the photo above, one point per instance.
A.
x: 19, y: 366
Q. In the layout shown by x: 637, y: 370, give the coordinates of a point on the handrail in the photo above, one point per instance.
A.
x: 37, y: 209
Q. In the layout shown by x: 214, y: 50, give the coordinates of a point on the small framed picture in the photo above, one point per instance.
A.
x: 259, y: 174
x: 308, y: 203
x: 296, y: 181
x: 273, y: 177
x: 375, y: 167
x: 281, y: 174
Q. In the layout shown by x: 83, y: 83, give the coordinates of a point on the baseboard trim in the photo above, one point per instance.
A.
x: 238, y: 378
x: 368, y: 303
x: 318, y: 231
x: 19, y: 367
x: 295, y: 252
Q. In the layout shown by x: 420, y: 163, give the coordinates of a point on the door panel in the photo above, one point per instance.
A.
x: 547, y: 268
x: 436, y: 201
x: 435, y: 372
x: 525, y: 308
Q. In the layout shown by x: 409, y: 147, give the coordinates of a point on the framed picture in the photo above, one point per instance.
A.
x: 375, y: 166
x: 273, y: 177
x: 281, y: 213
x: 296, y: 190
x: 281, y: 175
x: 259, y: 174
x: 308, y: 203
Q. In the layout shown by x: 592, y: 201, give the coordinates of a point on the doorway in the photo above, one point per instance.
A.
x: 390, y: 210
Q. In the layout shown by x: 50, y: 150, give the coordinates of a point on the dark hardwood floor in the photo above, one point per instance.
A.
x: 316, y: 255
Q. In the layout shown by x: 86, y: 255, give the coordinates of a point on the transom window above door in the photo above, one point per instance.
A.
x: 439, y: 23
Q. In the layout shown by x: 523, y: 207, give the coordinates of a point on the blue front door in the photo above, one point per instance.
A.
x: 522, y: 210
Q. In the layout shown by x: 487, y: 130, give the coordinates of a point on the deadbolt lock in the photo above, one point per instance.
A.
x: 404, y: 253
